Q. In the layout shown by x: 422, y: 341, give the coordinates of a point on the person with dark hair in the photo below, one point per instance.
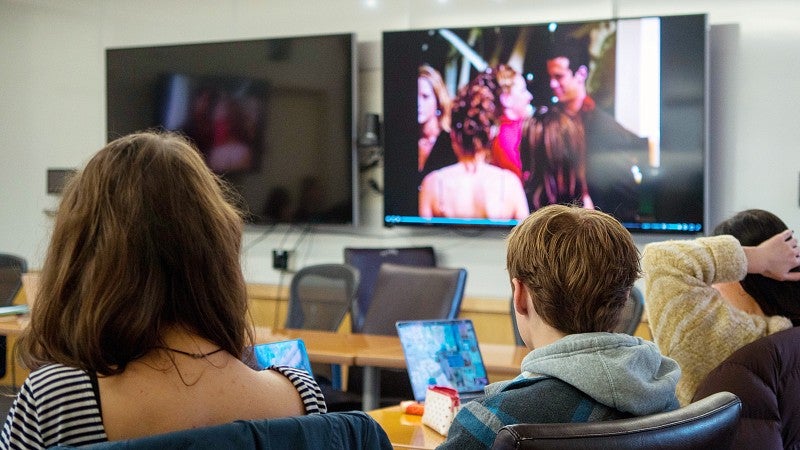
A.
x: 571, y: 272
x: 613, y: 153
x: 141, y: 321
x: 472, y: 187
x: 710, y: 296
x: 558, y: 155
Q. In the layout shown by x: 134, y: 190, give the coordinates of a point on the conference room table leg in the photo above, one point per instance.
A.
x: 370, y: 396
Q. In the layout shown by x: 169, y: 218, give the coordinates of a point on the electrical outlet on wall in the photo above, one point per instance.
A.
x: 281, y: 259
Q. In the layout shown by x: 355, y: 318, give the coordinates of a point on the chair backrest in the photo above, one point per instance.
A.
x: 342, y: 430
x: 413, y: 293
x: 404, y: 293
x: 368, y: 261
x: 705, y: 424
x: 320, y: 296
x: 631, y: 315
x: 11, y: 269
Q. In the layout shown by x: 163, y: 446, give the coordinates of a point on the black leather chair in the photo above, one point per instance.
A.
x: 709, y: 423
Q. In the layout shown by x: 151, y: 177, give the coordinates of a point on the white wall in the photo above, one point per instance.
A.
x: 52, y: 102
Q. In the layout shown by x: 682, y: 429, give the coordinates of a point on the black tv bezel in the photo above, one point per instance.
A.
x: 354, y: 219
x: 391, y: 218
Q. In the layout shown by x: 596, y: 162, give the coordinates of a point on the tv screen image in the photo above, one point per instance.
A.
x: 224, y: 117
x: 273, y: 117
x: 608, y: 114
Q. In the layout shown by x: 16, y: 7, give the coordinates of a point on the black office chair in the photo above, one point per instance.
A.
x: 402, y: 293
x: 369, y: 260
x: 319, y: 297
x: 11, y: 269
x: 705, y: 424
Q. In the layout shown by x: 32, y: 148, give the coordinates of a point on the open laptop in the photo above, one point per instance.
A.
x: 444, y: 353
x: 290, y: 353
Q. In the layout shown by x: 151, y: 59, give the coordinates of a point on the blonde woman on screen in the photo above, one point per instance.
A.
x: 142, y: 309
x: 473, y: 188
x: 434, y: 150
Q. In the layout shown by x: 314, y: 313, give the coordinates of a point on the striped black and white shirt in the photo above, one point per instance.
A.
x: 59, y: 405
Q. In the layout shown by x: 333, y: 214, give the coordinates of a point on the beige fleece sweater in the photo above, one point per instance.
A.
x: 690, y: 321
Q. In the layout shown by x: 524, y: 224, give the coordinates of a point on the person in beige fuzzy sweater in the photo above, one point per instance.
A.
x: 710, y: 296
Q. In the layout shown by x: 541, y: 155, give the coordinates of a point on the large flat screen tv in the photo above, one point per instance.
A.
x: 273, y: 117
x: 485, y: 124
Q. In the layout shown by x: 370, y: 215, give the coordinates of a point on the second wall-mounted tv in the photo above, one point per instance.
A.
x: 273, y: 117
x: 485, y: 124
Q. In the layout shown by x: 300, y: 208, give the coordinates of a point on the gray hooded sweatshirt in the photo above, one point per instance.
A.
x: 579, y: 378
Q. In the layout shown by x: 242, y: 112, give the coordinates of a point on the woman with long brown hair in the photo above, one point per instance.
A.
x: 143, y: 308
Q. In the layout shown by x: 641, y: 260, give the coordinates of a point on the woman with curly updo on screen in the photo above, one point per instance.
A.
x: 473, y: 188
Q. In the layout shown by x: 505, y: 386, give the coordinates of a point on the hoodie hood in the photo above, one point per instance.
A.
x: 621, y: 371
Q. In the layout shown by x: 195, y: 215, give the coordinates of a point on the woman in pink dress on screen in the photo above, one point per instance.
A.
x: 473, y: 188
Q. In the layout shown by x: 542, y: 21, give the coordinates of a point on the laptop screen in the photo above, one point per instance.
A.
x: 290, y: 353
x: 442, y: 352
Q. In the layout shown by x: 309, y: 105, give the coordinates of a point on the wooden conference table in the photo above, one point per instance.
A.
x: 404, y: 430
x: 368, y: 351
x: 373, y: 352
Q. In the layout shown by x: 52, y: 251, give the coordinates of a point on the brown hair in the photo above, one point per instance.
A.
x: 555, y: 146
x: 476, y: 110
x: 144, y: 239
x: 578, y: 265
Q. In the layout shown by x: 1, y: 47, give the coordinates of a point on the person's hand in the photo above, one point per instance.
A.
x: 775, y: 257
